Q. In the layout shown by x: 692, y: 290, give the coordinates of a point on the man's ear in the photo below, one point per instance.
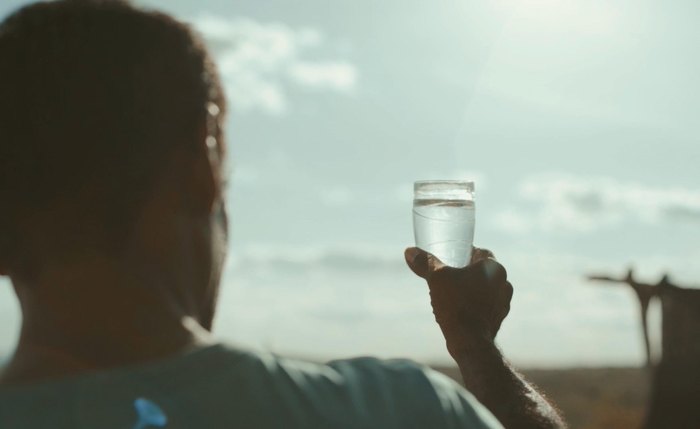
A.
x: 204, y: 184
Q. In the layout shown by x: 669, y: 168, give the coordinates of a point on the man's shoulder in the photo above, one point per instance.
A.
x: 358, y: 373
x: 224, y: 386
x: 388, y: 392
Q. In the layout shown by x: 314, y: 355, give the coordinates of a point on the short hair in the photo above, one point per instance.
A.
x: 94, y: 95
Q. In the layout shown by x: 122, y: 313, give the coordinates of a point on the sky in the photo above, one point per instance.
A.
x: 576, y: 119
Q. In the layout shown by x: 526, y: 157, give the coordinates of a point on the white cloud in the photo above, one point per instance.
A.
x: 362, y: 259
x: 259, y: 61
x: 332, y: 75
x: 580, y: 204
x: 346, y: 300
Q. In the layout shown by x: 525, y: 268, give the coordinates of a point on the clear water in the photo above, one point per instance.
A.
x: 445, y: 228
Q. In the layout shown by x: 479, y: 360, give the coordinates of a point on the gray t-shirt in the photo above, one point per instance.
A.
x: 221, y: 387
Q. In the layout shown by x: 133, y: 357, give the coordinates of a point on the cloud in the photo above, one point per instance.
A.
x: 683, y: 213
x: 581, y: 204
x: 356, y: 259
x: 259, y: 62
x: 340, y: 301
x: 339, y: 76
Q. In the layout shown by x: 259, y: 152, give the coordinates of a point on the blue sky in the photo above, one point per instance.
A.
x: 577, y: 120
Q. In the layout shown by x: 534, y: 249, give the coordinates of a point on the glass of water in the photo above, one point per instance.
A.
x: 443, y: 219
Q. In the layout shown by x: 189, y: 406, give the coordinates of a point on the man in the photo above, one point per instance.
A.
x: 113, y: 232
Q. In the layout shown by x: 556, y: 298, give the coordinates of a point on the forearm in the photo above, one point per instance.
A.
x: 510, y: 398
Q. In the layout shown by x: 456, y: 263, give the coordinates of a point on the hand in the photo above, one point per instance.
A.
x: 469, y: 303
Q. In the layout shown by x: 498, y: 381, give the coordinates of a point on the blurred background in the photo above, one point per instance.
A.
x: 577, y: 119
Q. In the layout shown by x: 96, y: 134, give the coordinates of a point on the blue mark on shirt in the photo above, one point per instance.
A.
x: 149, y: 414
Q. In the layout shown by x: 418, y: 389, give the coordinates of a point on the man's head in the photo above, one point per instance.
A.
x: 99, y: 102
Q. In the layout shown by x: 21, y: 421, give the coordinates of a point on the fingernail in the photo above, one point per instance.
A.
x: 411, y: 253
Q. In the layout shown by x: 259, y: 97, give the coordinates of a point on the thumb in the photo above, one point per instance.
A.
x: 421, y: 262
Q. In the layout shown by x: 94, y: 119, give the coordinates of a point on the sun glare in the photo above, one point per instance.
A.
x: 591, y: 17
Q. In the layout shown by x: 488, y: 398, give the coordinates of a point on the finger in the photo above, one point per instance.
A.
x: 489, y: 271
x: 506, y: 297
x: 422, y: 263
x: 494, y: 271
x: 435, y: 263
x: 479, y: 254
x: 417, y: 261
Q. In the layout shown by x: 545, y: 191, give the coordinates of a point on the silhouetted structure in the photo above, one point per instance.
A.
x: 675, y: 395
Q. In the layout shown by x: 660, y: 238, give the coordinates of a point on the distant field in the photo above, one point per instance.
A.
x: 591, y: 398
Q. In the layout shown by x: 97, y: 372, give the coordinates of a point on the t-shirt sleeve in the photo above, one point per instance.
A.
x: 412, y: 395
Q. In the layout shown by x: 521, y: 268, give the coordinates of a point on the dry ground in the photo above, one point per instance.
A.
x: 591, y: 398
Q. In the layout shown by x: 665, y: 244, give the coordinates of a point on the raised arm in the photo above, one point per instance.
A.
x: 469, y: 305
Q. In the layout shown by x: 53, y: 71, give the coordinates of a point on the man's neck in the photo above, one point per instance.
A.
x: 98, y: 316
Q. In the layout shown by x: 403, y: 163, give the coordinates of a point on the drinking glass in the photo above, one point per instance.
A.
x: 443, y: 219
